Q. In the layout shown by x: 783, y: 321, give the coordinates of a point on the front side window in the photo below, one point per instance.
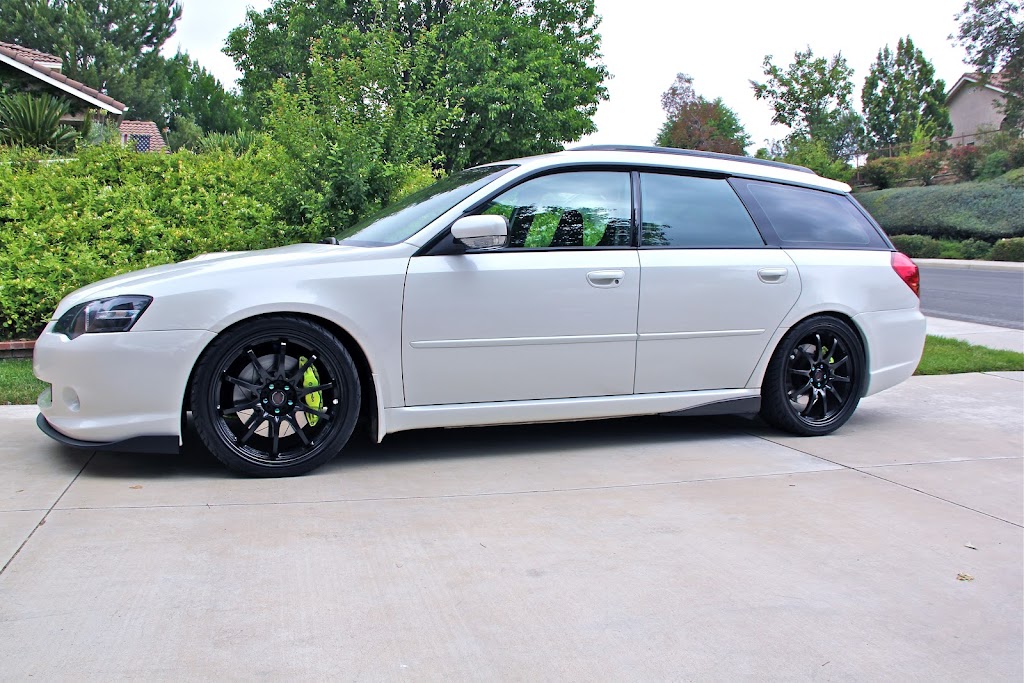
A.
x: 576, y: 209
x: 694, y: 212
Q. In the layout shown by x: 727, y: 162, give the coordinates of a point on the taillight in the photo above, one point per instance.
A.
x: 907, y: 270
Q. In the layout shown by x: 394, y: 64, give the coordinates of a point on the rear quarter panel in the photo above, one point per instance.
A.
x: 863, y: 286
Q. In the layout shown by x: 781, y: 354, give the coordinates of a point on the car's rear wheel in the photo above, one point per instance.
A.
x: 275, y: 397
x: 815, y: 379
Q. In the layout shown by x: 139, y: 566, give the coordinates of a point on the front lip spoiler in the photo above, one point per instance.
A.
x: 136, y: 444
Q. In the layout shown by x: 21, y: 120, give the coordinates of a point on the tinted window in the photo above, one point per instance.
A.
x: 805, y: 217
x: 579, y: 209
x: 684, y: 211
x: 403, y: 219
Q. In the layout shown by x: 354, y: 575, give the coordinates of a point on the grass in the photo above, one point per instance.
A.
x: 944, y: 356
x: 941, y: 357
x: 17, y: 384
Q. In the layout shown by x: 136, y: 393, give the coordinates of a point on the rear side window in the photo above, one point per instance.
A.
x: 802, y: 217
x: 695, y: 212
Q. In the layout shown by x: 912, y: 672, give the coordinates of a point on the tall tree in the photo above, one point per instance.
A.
x: 901, y: 96
x: 812, y: 97
x: 99, y: 41
x: 694, y: 122
x: 498, y: 78
x: 992, y: 32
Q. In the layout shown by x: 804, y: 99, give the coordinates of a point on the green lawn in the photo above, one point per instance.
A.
x: 944, y: 356
x: 17, y: 385
x: 941, y: 357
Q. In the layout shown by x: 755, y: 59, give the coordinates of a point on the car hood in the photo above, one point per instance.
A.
x: 229, y: 262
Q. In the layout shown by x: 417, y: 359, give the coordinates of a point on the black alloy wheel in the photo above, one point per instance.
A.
x: 815, y: 378
x: 275, y: 397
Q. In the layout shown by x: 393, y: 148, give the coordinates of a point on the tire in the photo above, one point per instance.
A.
x: 815, y: 378
x: 275, y: 397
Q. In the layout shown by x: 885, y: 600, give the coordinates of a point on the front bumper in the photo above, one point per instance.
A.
x: 110, y: 388
x: 137, y: 444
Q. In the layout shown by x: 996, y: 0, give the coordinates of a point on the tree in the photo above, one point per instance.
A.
x: 812, y: 97
x: 694, y: 122
x: 490, y: 78
x: 992, y: 32
x: 901, y: 95
x: 98, y: 41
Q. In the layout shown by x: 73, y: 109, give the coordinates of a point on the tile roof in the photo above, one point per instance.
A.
x: 33, y: 55
x: 142, y: 129
x: 64, y: 83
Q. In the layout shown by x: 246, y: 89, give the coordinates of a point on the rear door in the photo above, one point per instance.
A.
x: 712, y: 293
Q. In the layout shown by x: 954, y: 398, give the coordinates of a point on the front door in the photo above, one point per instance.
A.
x: 553, y: 315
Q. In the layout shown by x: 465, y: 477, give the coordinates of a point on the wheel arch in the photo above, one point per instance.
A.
x: 757, y: 376
x: 370, y: 407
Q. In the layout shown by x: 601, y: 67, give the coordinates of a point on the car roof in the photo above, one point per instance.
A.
x: 685, y: 159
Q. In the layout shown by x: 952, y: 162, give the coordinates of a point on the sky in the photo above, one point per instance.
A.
x: 721, y: 44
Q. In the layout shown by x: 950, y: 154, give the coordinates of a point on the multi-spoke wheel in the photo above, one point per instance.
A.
x: 275, y: 397
x: 815, y: 379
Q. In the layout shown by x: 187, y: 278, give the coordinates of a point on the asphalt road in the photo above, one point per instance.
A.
x: 988, y: 297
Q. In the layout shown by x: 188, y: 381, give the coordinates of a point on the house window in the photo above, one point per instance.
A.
x: 141, y: 142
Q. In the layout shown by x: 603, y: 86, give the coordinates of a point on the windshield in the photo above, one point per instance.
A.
x: 403, y: 219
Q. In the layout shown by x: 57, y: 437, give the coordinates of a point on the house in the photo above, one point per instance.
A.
x: 25, y: 69
x: 143, y: 136
x: 975, y: 106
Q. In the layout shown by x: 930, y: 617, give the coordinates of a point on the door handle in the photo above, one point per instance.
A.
x: 773, y: 276
x: 605, y: 278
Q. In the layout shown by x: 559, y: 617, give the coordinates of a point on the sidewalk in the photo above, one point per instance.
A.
x: 981, y: 335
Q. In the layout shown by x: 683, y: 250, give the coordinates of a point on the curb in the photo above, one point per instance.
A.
x: 970, y: 265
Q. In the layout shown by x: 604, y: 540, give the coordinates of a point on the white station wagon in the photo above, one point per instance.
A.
x: 592, y: 283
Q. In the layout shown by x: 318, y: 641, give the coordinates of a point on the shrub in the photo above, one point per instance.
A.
x: 964, y: 161
x: 917, y: 246
x: 111, y: 210
x: 975, y: 249
x: 985, y: 211
x: 1008, y: 250
x: 883, y: 173
x: 996, y: 164
x: 34, y: 121
x: 923, y: 167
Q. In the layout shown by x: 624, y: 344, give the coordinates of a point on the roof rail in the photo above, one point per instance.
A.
x: 690, y: 153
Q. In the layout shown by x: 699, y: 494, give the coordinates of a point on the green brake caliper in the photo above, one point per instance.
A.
x: 315, y: 400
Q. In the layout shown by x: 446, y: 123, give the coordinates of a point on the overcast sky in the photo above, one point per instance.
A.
x: 720, y: 44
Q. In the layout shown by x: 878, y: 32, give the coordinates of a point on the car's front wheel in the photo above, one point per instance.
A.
x: 275, y: 397
x: 815, y: 379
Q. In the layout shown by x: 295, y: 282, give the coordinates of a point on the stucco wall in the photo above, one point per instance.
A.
x: 974, y: 108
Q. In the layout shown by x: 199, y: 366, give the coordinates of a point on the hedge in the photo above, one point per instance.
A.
x: 67, y: 223
x: 980, y: 210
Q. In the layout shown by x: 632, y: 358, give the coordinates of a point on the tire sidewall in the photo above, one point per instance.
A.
x: 233, y: 342
x: 777, y: 408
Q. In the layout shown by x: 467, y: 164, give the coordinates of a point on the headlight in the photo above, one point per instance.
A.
x: 114, y: 314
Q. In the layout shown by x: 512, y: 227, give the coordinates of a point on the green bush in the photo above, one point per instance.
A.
x: 883, y: 173
x: 975, y: 249
x: 923, y: 167
x: 965, y: 162
x: 1008, y: 250
x: 111, y: 210
x: 917, y: 246
x: 985, y: 211
x: 996, y: 164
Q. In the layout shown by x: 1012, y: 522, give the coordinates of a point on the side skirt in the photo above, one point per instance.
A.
x: 713, y: 402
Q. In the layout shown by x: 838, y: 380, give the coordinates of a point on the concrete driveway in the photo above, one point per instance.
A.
x: 642, y: 549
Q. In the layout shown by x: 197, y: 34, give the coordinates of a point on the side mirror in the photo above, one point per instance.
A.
x: 481, y: 232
